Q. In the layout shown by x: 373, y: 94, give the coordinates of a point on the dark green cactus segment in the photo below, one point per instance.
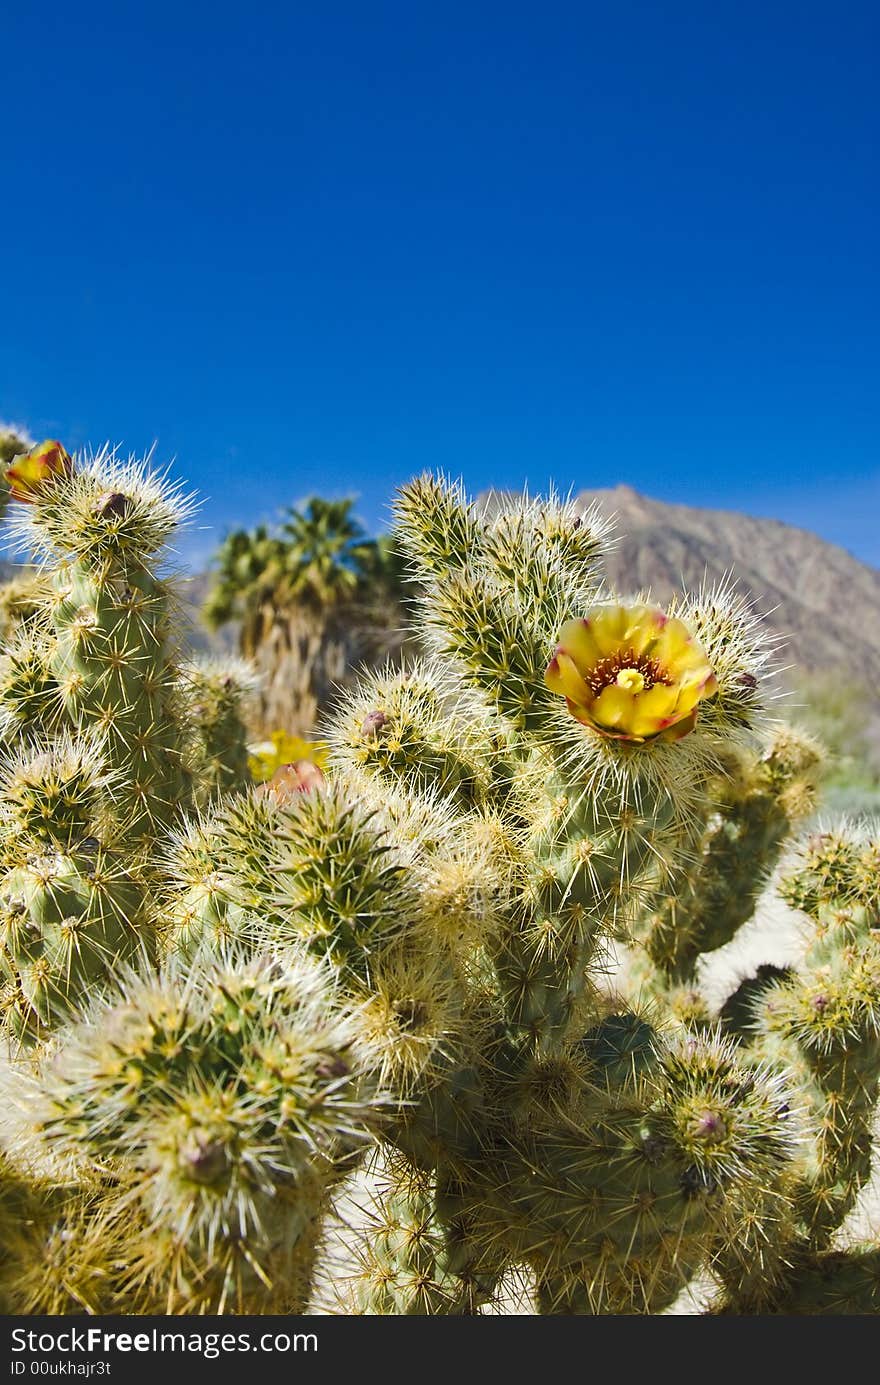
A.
x: 839, y: 1283
x: 444, y: 1125
x: 468, y: 1252
x: 566, y: 1295
x: 619, y: 1048
x: 105, y: 651
x: 599, y: 1289
x: 811, y: 1283
x: 738, y: 1014
x: 585, y: 876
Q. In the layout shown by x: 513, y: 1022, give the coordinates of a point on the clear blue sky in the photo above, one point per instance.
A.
x: 318, y: 247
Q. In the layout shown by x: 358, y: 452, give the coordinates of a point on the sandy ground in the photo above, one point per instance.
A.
x: 772, y: 935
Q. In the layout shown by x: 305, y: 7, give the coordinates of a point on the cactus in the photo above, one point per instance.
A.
x: 766, y: 792
x: 217, y: 693
x: 398, y: 966
x: 110, y: 736
x: 821, y: 1022
x: 222, y: 1099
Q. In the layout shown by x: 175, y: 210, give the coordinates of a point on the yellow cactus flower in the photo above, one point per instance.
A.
x: 30, y: 471
x: 631, y: 673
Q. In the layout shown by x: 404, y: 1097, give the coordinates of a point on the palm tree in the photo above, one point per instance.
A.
x: 249, y: 582
x: 327, y: 554
x: 312, y: 601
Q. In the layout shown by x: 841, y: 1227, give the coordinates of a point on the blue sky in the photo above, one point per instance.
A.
x: 319, y: 247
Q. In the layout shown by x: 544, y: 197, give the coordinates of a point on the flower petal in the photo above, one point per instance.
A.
x: 614, y: 707
x: 680, y: 728
x: 561, y: 676
x: 654, y: 709
x: 694, y: 687
x: 643, y: 628
x: 577, y: 639
x: 609, y: 625
x: 676, y: 646
x: 30, y: 471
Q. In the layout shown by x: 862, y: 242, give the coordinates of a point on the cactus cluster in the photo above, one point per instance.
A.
x: 223, y: 1002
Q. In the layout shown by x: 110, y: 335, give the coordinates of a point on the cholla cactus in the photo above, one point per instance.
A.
x: 400, y: 962
x: 821, y: 1023
x: 106, y: 623
x: 109, y: 738
x: 225, y: 1098
x: 217, y: 693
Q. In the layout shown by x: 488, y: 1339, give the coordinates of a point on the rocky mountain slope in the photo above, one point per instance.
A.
x: 821, y: 601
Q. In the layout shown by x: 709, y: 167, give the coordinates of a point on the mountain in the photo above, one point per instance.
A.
x: 193, y: 590
x: 821, y: 601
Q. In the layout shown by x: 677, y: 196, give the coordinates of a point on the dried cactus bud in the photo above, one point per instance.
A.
x: 112, y: 505
x: 205, y: 1160
x: 372, y: 724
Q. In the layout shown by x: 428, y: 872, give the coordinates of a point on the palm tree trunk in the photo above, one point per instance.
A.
x: 308, y: 654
